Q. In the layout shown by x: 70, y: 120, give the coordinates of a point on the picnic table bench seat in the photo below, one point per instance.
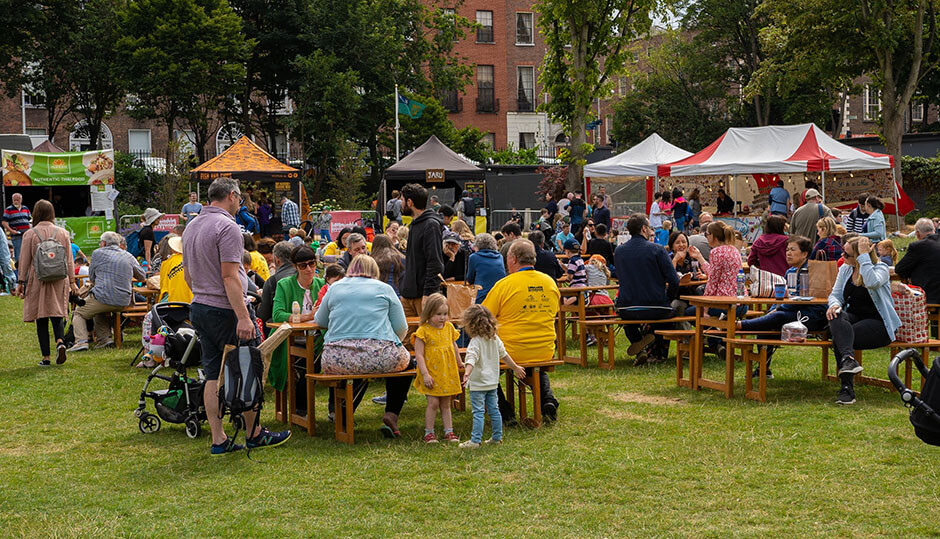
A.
x: 605, y: 332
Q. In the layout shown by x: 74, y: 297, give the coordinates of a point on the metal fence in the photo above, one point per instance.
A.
x: 498, y: 218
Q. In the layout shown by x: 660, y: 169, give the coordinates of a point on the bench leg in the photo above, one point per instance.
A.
x: 118, y: 335
x: 582, y: 342
x: 343, y: 407
x: 311, y: 407
x: 750, y: 357
x: 605, y: 337
x: 683, y: 351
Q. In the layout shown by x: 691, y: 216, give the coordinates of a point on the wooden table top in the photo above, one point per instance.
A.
x: 570, y: 291
x: 734, y: 300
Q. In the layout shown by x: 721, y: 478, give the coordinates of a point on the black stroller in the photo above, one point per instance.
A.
x: 924, y: 417
x: 181, y: 402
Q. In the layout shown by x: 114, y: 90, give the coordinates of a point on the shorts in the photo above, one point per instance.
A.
x: 215, y: 328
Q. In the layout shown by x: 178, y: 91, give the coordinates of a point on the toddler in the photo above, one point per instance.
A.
x: 333, y: 273
x: 481, y: 374
x: 438, y: 359
x: 887, y: 253
x: 662, y: 234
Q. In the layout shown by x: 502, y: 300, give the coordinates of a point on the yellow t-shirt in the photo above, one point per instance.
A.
x: 525, y: 304
x: 332, y: 249
x: 173, y: 285
x: 259, y: 265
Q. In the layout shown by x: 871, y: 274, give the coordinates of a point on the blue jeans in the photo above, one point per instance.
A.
x: 17, y: 240
x: 477, y: 401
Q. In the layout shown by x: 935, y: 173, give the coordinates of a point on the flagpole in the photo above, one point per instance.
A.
x: 395, y: 110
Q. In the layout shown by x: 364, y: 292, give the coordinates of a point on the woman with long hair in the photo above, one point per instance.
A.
x: 391, y: 262
x: 45, y: 302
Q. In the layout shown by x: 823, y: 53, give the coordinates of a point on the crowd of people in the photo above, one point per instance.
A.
x: 361, y: 290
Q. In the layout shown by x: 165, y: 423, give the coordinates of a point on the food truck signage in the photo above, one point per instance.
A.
x: 51, y: 169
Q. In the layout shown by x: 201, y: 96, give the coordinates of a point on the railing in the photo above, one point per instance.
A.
x: 452, y: 102
x: 486, y: 101
x: 498, y: 218
x: 524, y: 104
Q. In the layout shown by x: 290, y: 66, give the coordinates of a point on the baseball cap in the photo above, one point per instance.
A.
x: 572, y: 244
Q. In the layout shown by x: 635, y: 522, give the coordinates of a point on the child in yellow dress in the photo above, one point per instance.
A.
x: 438, y: 360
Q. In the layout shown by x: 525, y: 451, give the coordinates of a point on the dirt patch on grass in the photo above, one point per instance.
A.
x: 626, y: 415
x: 647, y: 399
x: 43, y: 449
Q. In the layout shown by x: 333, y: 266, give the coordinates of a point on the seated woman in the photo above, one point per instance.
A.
x: 798, y: 249
x: 722, y: 267
x: 769, y: 250
x: 861, y: 312
x: 485, y: 266
x: 678, y: 249
x: 303, y: 288
x: 391, y: 262
x: 365, y: 324
x: 830, y: 243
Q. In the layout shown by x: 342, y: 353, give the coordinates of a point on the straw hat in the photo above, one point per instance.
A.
x: 151, y: 215
x: 176, y: 243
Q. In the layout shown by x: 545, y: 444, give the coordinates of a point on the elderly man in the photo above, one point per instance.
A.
x: 921, y: 264
x: 355, y: 245
x: 112, y: 272
x: 525, y: 304
x: 16, y: 218
x: 806, y: 216
x: 699, y: 241
x: 283, y: 268
x: 648, y: 284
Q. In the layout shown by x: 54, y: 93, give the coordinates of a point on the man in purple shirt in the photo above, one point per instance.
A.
x: 212, y: 256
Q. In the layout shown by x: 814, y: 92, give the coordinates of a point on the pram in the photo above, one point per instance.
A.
x: 181, y: 402
x: 924, y: 417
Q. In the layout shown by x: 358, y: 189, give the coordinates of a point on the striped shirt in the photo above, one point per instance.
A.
x: 290, y: 214
x: 18, y: 219
x: 113, y: 270
x: 576, y: 271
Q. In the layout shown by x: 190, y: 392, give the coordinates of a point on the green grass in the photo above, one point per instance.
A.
x: 631, y: 455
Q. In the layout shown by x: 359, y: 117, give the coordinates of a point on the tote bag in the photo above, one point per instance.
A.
x: 910, y: 302
x: 822, y: 275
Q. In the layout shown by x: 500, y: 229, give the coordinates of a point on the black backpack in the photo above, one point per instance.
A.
x: 242, y: 385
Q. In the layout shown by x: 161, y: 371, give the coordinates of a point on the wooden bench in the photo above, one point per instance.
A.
x: 605, y: 339
x: 130, y: 312
x: 342, y: 385
x: 530, y: 383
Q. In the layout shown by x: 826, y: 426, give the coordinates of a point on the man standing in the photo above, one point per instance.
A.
x: 424, y: 258
x: 602, y: 213
x: 16, y: 220
x: 212, y: 255
x: 779, y: 200
x: 806, y: 216
x: 602, y: 191
x: 644, y: 272
x: 576, y: 211
x: 290, y: 215
x: 525, y: 304
x: 921, y: 264
x: 394, y: 207
x: 551, y: 206
x: 191, y: 208
x: 112, y: 272
x: 468, y: 209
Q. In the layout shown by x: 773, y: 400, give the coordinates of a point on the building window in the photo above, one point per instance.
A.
x: 227, y: 135
x: 80, y: 138
x: 451, y: 101
x: 489, y: 139
x: 138, y: 142
x: 917, y: 112
x: 485, y: 30
x: 186, y: 139
x: 524, y: 30
x: 526, y: 97
x: 872, y: 103
x: 450, y: 14
x: 486, y: 96
x: 34, y: 100
x: 526, y: 141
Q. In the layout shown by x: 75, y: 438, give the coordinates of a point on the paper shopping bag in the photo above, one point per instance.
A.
x: 822, y: 276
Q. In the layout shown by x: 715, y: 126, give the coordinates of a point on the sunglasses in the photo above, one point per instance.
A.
x: 305, y: 265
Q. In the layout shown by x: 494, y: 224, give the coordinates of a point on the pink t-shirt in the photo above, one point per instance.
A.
x: 210, y: 239
x: 722, y: 268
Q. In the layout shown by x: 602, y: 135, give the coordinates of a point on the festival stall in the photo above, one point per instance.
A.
x: 760, y: 156
x: 80, y: 186
x: 443, y: 172
x: 631, y: 176
x: 257, y: 171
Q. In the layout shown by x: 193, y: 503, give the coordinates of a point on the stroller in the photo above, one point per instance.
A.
x: 181, y: 402
x: 924, y: 417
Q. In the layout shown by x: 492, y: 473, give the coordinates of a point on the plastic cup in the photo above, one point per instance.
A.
x: 780, y: 290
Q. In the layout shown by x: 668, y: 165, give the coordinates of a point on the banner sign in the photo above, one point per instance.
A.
x: 50, y: 169
x: 166, y: 222
x: 86, y: 231
x: 343, y: 219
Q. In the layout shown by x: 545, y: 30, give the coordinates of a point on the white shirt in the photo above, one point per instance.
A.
x: 656, y: 216
x: 563, y: 207
x: 484, y: 355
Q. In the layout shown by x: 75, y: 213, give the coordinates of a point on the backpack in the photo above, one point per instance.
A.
x: 469, y: 206
x: 50, y: 263
x: 242, y: 388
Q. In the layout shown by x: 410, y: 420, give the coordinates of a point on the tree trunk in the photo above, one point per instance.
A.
x: 893, y: 132
x: 578, y: 137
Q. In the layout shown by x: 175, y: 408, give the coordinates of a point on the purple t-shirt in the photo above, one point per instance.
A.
x: 208, y: 240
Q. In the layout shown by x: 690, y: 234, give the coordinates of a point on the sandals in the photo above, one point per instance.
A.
x: 388, y: 433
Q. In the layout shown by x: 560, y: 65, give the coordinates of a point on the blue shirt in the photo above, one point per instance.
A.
x: 643, y: 270
x: 190, y: 207
x: 875, y: 227
x: 561, y: 238
x: 484, y: 268
x: 779, y: 199
x: 5, y: 268
x: 75, y: 250
x: 361, y: 308
x: 877, y: 279
x: 113, y: 270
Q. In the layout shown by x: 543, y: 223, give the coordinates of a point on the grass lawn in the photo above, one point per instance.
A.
x: 632, y: 454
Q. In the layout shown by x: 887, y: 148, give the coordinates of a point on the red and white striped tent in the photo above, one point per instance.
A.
x: 778, y: 149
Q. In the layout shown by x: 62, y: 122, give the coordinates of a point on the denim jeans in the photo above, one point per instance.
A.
x: 479, y: 399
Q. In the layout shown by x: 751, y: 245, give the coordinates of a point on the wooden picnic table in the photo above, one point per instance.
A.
x: 149, y: 293
x: 579, y: 307
x: 702, y: 321
x: 285, y: 406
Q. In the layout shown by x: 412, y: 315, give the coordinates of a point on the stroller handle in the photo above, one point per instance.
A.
x: 904, y: 355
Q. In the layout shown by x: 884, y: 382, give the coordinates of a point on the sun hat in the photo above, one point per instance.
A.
x: 176, y: 243
x: 151, y: 215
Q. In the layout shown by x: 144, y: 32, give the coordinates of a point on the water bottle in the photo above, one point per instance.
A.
x: 742, y: 284
x: 694, y: 268
x: 295, y: 312
x: 804, y: 282
x: 793, y: 283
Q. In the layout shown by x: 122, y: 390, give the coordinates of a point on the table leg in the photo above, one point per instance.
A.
x: 582, y: 331
x: 729, y: 352
x: 697, y: 351
x: 311, y: 385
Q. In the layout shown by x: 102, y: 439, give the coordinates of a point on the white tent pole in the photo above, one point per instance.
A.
x: 897, y: 210
x: 395, y: 111
x: 735, y: 179
x: 822, y: 175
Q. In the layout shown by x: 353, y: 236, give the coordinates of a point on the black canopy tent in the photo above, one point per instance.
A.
x: 437, y: 167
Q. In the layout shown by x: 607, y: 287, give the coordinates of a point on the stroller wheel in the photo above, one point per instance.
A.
x: 193, y: 427
x: 148, y: 423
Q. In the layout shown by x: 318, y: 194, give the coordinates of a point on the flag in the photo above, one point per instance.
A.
x: 409, y: 107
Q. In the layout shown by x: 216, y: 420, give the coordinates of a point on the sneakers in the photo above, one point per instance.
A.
x: 846, y: 395
x: 228, y: 446
x: 104, y: 344
x: 849, y: 366
x: 380, y: 399
x: 637, y: 347
x: 79, y: 346
x: 44, y: 363
x: 640, y: 359
x: 493, y: 442
x: 451, y: 437
x: 756, y: 373
x: 550, y: 411
x: 590, y: 340
x: 267, y: 438
x: 430, y: 438
x: 470, y: 444
x: 60, y: 354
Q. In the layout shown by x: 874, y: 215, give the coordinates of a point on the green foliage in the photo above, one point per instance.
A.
x: 346, y: 179
x: 132, y: 182
x: 435, y: 120
x: 512, y: 156
x: 923, y: 172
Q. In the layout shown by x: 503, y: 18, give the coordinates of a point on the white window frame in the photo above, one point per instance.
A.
x: 531, y: 42
x: 149, y: 141
x: 105, y: 137
x: 869, y: 94
x: 224, y: 138
x: 917, y: 113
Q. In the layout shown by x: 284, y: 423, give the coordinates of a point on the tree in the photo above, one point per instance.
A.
x: 176, y: 52
x: 588, y: 43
